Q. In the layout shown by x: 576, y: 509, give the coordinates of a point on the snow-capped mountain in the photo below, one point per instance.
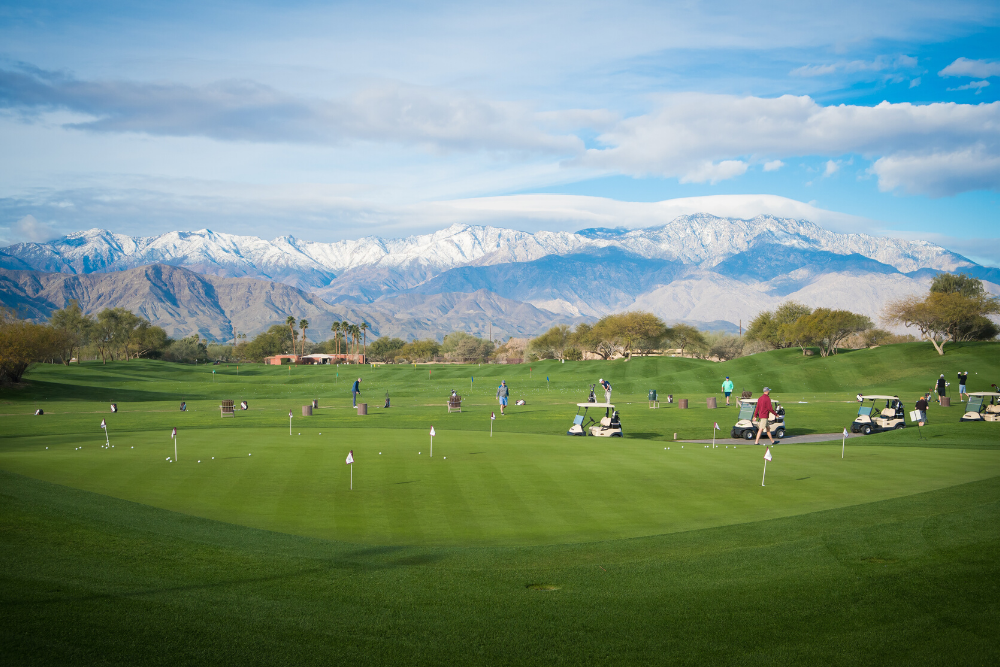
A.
x: 697, y: 268
x: 700, y: 240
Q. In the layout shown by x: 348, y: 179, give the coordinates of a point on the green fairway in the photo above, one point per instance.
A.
x: 252, y: 548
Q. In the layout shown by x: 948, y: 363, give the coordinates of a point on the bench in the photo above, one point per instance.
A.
x: 228, y: 409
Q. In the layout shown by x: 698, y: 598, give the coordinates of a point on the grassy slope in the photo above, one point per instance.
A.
x: 910, y: 579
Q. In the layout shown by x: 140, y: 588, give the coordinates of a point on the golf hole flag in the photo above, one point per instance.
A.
x: 767, y: 457
x: 173, y: 434
x: 432, y: 441
x: 843, y: 443
x: 767, y: 454
x: 350, y: 462
x: 107, y: 438
x: 104, y: 425
x: 713, y: 433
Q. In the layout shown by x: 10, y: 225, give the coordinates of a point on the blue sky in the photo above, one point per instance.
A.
x: 339, y: 120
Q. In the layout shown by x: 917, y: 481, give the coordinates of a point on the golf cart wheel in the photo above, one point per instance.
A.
x: 899, y: 426
x: 748, y: 435
x: 735, y: 434
x: 867, y: 430
x: 780, y: 433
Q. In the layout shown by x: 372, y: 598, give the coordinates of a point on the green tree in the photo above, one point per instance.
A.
x: 23, y: 343
x: 769, y: 327
x: 942, y: 316
x: 303, y: 324
x: 685, y: 336
x: 75, y: 327
x: 419, y: 350
x: 825, y: 328
x: 550, y: 345
x: 385, y: 348
x: 951, y: 283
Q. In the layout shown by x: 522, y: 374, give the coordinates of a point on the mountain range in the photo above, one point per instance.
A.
x: 712, y: 271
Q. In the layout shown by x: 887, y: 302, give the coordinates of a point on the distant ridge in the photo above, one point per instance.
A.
x: 695, y: 268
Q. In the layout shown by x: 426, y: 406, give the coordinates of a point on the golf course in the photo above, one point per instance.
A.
x: 248, y: 539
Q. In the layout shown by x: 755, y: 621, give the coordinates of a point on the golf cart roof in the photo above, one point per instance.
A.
x: 983, y: 393
x: 596, y: 405
x: 877, y: 397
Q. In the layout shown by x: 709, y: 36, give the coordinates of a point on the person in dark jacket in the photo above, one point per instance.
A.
x: 963, y: 378
x: 921, y: 407
x: 763, y: 413
x: 355, y: 390
x: 941, y: 384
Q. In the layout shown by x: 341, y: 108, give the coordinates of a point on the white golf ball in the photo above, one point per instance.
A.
x: 446, y: 458
x: 47, y: 448
x: 213, y: 458
x: 249, y: 454
x: 199, y: 460
x: 380, y: 453
x: 168, y: 458
x: 133, y: 446
x: 300, y: 434
x: 419, y: 452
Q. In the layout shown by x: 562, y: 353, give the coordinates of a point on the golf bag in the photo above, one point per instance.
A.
x: 386, y: 400
x: 593, y: 397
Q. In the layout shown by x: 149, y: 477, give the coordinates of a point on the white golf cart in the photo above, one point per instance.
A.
x: 872, y: 419
x: 983, y: 406
x: 746, y: 427
x: 610, y: 425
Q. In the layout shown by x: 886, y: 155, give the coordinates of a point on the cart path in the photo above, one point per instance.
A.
x: 788, y: 439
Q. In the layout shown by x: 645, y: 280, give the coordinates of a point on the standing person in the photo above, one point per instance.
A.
x: 941, y: 384
x: 962, y: 379
x: 763, y: 413
x: 607, y: 389
x: 355, y: 390
x: 921, y: 407
x: 503, y: 392
x: 727, y: 389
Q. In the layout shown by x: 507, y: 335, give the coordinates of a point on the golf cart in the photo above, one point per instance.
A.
x: 610, y: 425
x: 978, y: 410
x: 870, y: 420
x: 747, y: 425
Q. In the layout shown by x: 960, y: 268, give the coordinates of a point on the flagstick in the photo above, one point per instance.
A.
x: 491, y: 428
x: 175, y: 449
x: 106, y: 436
x: 432, y: 446
x: 765, y: 473
x: 352, y: 477
x: 843, y: 446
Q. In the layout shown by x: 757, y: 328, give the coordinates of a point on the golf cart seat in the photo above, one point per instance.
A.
x: 606, y: 422
x: 889, y: 412
x: 993, y: 409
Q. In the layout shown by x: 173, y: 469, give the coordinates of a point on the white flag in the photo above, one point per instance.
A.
x: 493, y: 415
x: 350, y: 457
x: 845, y: 433
x: 173, y: 434
x: 103, y: 425
x: 289, y: 414
x: 432, y: 431
x: 717, y: 426
x: 767, y: 454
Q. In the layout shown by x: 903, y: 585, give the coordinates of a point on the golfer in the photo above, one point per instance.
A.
x: 941, y: 384
x: 607, y: 389
x: 763, y: 413
x: 355, y: 390
x: 503, y: 392
x: 727, y: 389
x: 962, y: 379
x: 921, y: 407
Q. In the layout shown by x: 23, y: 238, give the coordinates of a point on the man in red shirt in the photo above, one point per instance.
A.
x: 763, y: 411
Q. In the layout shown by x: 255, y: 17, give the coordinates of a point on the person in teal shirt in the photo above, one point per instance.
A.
x: 727, y: 389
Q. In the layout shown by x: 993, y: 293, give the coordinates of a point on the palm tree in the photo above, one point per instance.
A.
x: 335, y: 328
x: 364, y: 328
x: 303, y: 324
x: 355, y: 334
x: 290, y: 321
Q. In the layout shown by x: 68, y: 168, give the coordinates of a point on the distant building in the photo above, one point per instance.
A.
x: 315, y: 359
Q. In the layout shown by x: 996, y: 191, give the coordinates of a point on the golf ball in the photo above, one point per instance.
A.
x: 47, y: 448
x: 446, y: 458
x: 213, y: 458
x: 249, y: 454
x: 199, y: 460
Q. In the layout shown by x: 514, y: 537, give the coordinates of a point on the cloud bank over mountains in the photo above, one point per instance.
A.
x: 936, y: 149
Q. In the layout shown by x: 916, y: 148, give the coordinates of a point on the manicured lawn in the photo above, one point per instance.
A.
x: 263, y: 555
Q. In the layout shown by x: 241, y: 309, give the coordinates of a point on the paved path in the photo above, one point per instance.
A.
x: 788, y: 439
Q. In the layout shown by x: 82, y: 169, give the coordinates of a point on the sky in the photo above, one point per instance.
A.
x: 339, y: 120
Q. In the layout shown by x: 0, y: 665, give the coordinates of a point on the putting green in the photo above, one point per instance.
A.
x: 512, y: 489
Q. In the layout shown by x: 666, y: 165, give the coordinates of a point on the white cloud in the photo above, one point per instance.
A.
x: 29, y: 229
x: 773, y: 165
x: 979, y: 69
x: 973, y: 85
x: 692, y: 135
x: 915, y: 82
x: 715, y: 172
x: 879, y: 64
x: 940, y: 173
x: 830, y: 168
